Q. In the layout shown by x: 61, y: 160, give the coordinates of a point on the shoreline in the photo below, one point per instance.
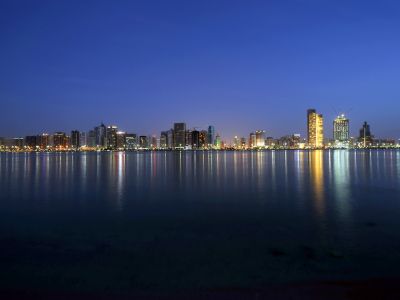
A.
x: 373, y: 288
x: 195, y: 150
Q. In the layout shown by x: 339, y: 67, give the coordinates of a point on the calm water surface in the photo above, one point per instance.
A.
x: 172, y: 220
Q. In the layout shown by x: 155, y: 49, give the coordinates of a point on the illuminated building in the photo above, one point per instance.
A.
x: 203, y: 139
x: 260, y: 138
x: 91, y: 139
x: 211, y: 136
x: 188, y: 139
x: 164, y: 140
x: 30, y: 141
x: 179, y: 135
x: 236, y: 142
x: 252, y: 140
x: 18, y: 143
x: 315, y: 129
x: 289, y: 141
x: 82, y: 139
x: 143, y: 142
x: 341, y: 129
x: 218, y: 142
x: 130, y: 141
x: 170, y: 139
x: 153, y: 142
x: 121, y: 140
x: 100, y: 132
x: 60, y: 140
x: 43, y: 140
x: 243, y: 143
x: 270, y: 142
x: 195, y: 139
x: 75, y: 139
x: 111, y: 135
x: 366, y: 138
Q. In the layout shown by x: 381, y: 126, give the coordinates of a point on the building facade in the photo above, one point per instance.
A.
x: 341, y: 129
x: 179, y: 135
x: 315, y: 129
x: 366, y: 138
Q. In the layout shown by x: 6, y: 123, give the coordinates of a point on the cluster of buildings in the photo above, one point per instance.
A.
x: 180, y: 137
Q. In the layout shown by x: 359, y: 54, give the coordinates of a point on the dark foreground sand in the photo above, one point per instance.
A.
x: 381, y: 289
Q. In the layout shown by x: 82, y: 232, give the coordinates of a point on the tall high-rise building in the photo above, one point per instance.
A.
x: 218, y: 142
x: 170, y: 139
x: 179, y: 135
x: 100, y: 132
x: 341, y: 129
x: 131, y: 141
x: 315, y: 129
x: 83, y: 139
x: 75, y: 139
x: 252, y: 140
x: 143, y: 142
x: 111, y: 135
x: 188, y: 138
x: 195, y: 139
x: 203, y: 139
x: 121, y: 140
x: 211, y: 135
x: 91, y: 139
x: 260, y: 138
x: 30, y: 141
x: 153, y: 141
x: 43, y: 140
x: 60, y: 140
x: 366, y: 138
x: 236, y: 142
x: 164, y: 140
x: 243, y: 143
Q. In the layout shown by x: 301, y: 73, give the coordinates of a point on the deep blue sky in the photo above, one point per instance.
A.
x: 240, y: 65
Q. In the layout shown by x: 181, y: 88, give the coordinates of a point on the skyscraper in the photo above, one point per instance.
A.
x: 91, y: 139
x: 163, y: 139
x: 260, y: 138
x: 43, y: 140
x: 131, y: 141
x: 111, y: 136
x: 188, y: 138
x: 195, y: 139
x: 203, y: 139
x: 341, y: 129
x: 218, y: 142
x: 366, y: 138
x: 121, y: 140
x: 211, y: 136
x: 179, y: 135
x: 100, y: 132
x: 60, y: 140
x: 170, y: 139
x: 252, y: 140
x: 315, y: 129
x: 83, y: 139
x: 75, y: 139
x: 143, y: 142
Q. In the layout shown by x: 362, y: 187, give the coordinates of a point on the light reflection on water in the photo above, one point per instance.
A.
x: 200, y: 216
x: 324, y: 184
x: 224, y: 176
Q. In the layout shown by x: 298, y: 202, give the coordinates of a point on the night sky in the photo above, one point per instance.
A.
x: 239, y: 65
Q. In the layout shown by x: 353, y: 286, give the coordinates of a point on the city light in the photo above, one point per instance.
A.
x: 180, y: 137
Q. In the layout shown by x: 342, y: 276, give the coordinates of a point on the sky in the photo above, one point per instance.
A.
x: 238, y: 65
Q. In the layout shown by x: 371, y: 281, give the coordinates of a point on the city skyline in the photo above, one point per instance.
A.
x: 183, y: 137
x: 145, y: 65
